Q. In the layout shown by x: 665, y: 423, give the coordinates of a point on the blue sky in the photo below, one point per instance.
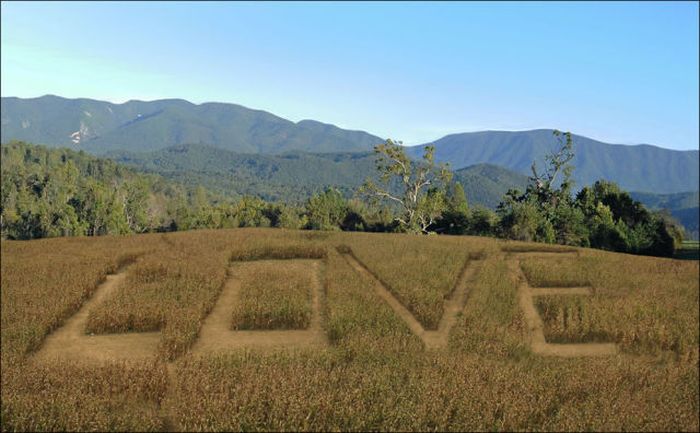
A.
x: 618, y: 72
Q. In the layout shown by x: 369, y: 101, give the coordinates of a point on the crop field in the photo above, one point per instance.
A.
x: 271, y: 329
x: 273, y: 295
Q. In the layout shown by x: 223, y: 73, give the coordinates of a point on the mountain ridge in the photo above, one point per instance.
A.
x: 640, y: 167
x: 100, y: 127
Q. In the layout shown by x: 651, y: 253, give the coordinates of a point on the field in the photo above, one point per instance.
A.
x: 270, y: 329
x: 273, y: 295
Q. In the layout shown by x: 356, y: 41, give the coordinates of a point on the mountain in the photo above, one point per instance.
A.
x: 291, y: 177
x: 635, y: 168
x: 684, y: 206
x: 688, y: 217
x: 486, y: 184
x: 100, y: 127
x: 681, y: 200
x: 287, y: 177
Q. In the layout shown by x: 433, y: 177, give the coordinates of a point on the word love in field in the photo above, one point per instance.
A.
x: 277, y: 303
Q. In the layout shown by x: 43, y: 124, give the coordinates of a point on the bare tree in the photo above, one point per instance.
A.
x: 421, y: 185
x: 556, y: 162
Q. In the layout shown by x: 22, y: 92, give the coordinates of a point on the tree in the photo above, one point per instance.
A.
x: 458, y: 200
x: 421, y: 185
x: 545, y: 212
x: 604, y: 233
x: 543, y: 185
x: 455, y: 219
x: 569, y: 225
x: 482, y: 222
x: 327, y: 210
x: 250, y: 212
x: 369, y: 217
x: 620, y: 223
x: 135, y: 198
x: 674, y: 228
x: 290, y: 218
x: 523, y: 219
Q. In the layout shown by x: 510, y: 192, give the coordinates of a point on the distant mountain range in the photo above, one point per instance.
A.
x: 100, y: 127
x: 634, y: 168
x: 104, y: 128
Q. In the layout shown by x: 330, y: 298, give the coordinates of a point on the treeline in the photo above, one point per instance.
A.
x: 60, y: 192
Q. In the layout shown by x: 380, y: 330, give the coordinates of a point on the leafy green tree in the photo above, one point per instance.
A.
x: 355, y: 217
x: 604, y: 232
x: 569, y: 225
x: 291, y: 218
x: 326, y: 210
x: 251, y: 212
x: 620, y: 202
x: 430, y: 208
x: 619, y: 223
x: 421, y: 198
x: 674, y: 228
x: 135, y: 197
x: 546, y: 212
x: 370, y: 216
x: 521, y: 218
x: 455, y: 219
x: 482, y: 222
x: 458, y: 200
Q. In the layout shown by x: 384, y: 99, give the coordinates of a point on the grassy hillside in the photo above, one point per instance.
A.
x: 634, y: 168
x: 100, y: 127
x: 158, y: 361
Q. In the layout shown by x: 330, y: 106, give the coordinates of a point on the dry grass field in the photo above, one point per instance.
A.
x: 133, y: 313
x: 427, y: 274
x: 273, y: 295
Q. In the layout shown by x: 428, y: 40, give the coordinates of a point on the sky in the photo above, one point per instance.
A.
x: 618, y: 72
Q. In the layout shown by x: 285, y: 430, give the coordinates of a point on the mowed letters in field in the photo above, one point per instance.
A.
x: 268, y: 329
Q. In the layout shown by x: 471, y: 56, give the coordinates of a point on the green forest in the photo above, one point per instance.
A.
x: 60, y: 192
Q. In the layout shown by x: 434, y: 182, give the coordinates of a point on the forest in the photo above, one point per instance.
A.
x: 61, y: 192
